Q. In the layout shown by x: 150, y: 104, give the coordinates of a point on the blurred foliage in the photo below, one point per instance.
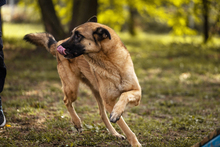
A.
x: 113, y: 12
x: 176, y: 14
x: 31, y: 9
x: 63, y: 9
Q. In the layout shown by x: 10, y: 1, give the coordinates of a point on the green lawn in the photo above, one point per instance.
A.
x: 180, y: 105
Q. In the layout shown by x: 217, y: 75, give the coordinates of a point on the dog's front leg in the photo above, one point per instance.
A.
x: 75, y: 118
x: 70, y: 96
x: 132, y: 97
x: 70, y: 83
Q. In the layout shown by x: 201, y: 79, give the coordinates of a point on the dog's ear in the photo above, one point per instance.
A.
x: 101, y: 34
x: 93, y: 19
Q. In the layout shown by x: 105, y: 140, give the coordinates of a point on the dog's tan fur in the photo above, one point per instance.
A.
x: 106, y: 67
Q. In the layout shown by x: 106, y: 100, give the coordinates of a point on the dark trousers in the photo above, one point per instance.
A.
x: 2, y: 64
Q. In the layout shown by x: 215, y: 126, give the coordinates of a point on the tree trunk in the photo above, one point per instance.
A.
x: 51, y: 22
x: 82, y: 11
x: 206, y: 20
x: 131, y: 24
x: 191, y: 20
x: 1, y: 22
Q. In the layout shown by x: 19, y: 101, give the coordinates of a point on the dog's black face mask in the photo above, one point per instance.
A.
x: 72, y: 47
x: 85, y: 39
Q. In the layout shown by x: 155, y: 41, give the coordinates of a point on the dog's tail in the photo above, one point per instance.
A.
x: 45, y: 40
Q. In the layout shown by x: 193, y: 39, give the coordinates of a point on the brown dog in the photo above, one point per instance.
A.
x: 95, y: 55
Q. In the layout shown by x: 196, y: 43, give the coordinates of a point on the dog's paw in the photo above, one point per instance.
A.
x: 116, y: 112
x: 79, y: 129
x: 119, y: 136
x: 114, y: 117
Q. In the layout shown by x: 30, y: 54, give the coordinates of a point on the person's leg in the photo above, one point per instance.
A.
x: 2, y: 116
x: 2, y: 78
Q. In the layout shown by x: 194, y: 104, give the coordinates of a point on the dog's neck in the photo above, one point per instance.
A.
x: 114, y: 59
x: 108, y: 65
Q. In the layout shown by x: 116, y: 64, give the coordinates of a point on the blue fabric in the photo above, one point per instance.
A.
x: 2, y: 2
x: 214, y: 142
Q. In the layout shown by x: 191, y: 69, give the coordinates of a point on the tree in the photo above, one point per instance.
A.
x: 1, y: 20
x: 82, y: 11
x: 206, y: 20
x: 180, y: 15
x: 51, y: 22
x: 131, y: 22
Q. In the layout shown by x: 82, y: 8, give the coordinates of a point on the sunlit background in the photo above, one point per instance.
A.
x: 194, y: 18
x: 175, y: 48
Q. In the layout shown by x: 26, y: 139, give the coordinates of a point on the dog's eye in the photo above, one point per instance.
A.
x: 77, y: 37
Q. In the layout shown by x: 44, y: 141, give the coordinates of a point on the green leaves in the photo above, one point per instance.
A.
x: 113, y: 13
x: 63, y: 9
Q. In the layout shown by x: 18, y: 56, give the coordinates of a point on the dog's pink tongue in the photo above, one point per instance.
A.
x: 61, y: 50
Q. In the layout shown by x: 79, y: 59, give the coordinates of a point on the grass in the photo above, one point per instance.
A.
x: 180, y: 104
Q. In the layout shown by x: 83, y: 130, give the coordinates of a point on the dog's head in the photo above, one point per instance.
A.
x: 86, y: 38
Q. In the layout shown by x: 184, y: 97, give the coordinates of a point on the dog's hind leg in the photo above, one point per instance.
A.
x: 103, y: 115
x: 129, y: 134
x: 132, y: 139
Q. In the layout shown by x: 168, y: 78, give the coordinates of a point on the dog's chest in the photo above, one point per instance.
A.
x: 108, y: 84
x: 109, y: 90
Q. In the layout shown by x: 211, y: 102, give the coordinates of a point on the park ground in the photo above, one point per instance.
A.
x: 179, y: 76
